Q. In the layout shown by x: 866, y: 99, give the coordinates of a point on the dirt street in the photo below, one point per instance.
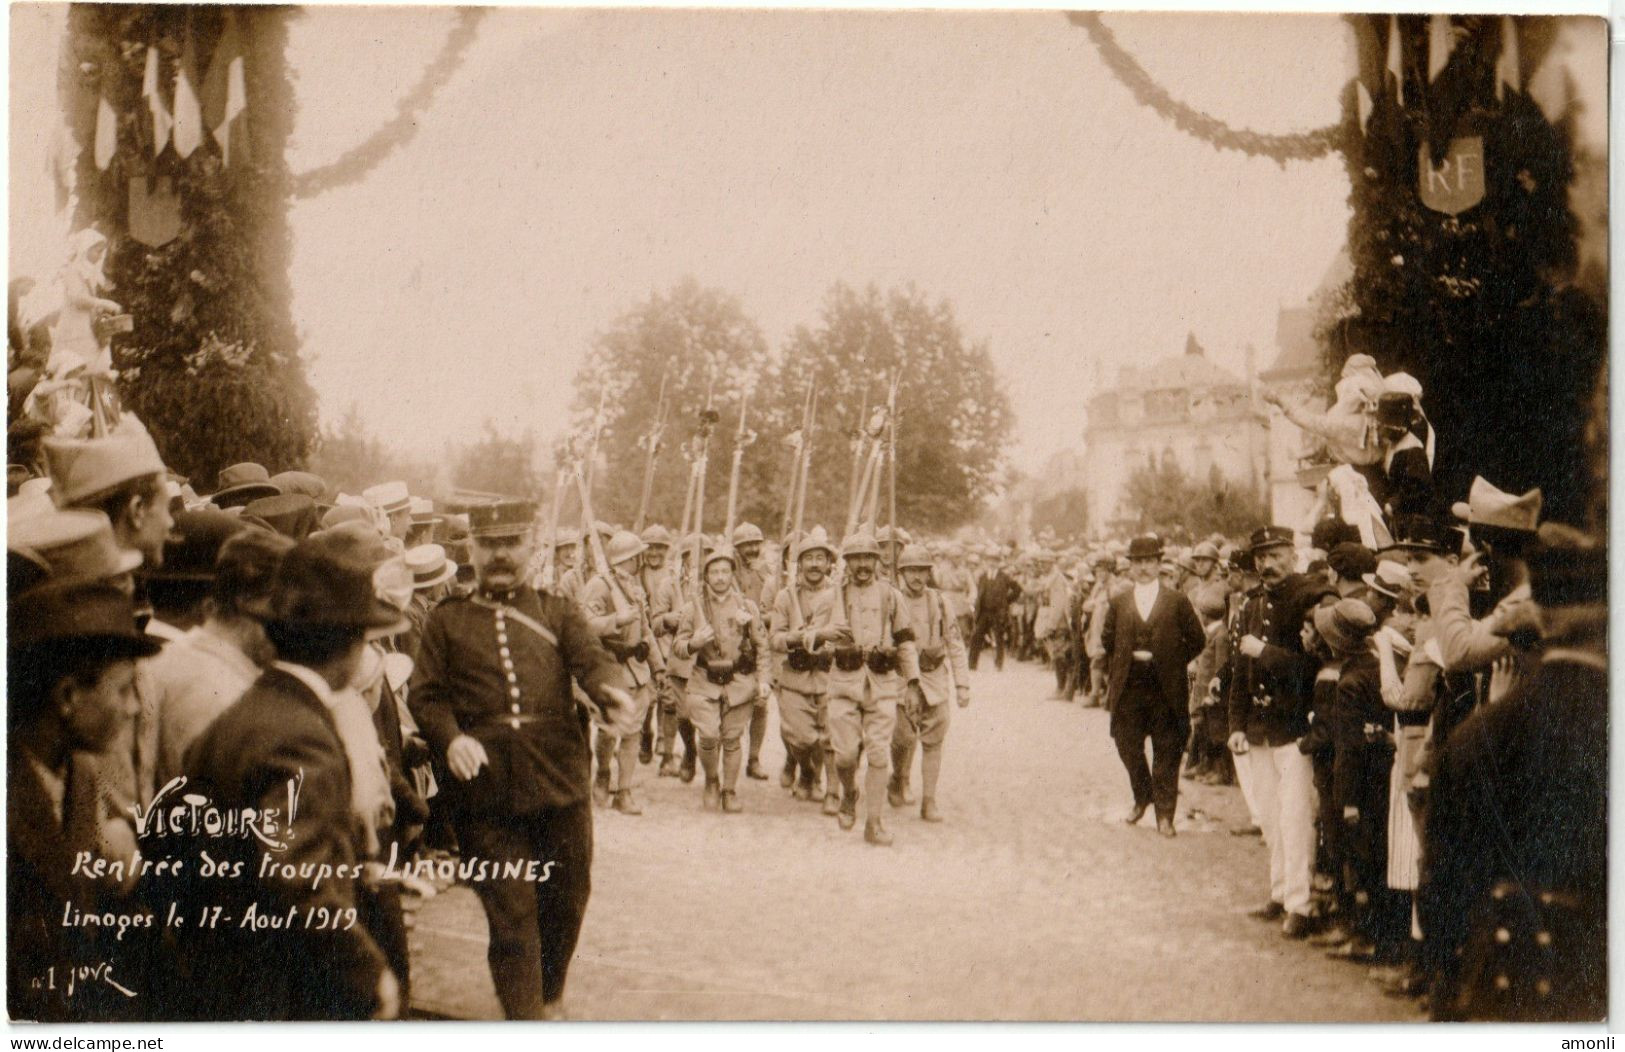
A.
x: 1032, y: 901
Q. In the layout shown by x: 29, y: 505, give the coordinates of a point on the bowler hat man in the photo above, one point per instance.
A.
x: 1150, y: 635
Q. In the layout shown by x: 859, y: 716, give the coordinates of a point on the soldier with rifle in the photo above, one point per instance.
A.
x: 722, y: 631
x: 944, y: 674
x: 752, y: 579
x: 661, y: 585
x: 618, y: 610
x: 803, y: 634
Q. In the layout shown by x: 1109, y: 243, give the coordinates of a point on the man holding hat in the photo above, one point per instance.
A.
x: 872, y: 667
x: 617, y: 608
x: 491, y: 693
x: 1150, y: 636
x: 944, y: 674
x: 1271, y: 687
x: 283, y: 732
x: 722, y: 631
x: 802, y: 632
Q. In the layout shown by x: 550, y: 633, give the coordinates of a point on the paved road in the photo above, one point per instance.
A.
x: 1032, y: 901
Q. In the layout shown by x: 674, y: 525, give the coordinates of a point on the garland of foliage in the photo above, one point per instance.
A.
x: 1298, y: 146
x: 356, y: 162
x: 212, y: 365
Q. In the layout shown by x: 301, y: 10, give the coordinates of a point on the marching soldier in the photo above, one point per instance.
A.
x: 802, y: 631
x: 618, y: 610
x: 1051, y: 621
x: 871, y: 670
x: 959, y: 588
x: 660, y: 585
x: 752, y: 579
x: 565, y: 571
x: 722, y: 631
x: 944, y: 672
x: 491, y: 692
x: 891, y: 542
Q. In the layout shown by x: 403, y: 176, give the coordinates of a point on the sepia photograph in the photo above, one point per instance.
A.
x: 420, y: 605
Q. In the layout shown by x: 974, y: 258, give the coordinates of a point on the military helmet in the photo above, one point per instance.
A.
x: 623, y: 546
x: 815, y: 540
x: 656, y: 535
x: 567, y: 539
x: 720, y: 553
x: 860, y: 542
x: 914, y: 556
x: 747, y: 533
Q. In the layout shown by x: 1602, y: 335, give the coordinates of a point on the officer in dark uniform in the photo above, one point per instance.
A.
x: 491, y: 692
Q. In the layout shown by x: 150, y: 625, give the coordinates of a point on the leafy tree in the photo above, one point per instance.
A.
x: 1169, y: 502
x: 212, y: 365
x: 1065, y: 514
x: 498, y: 463
x: 954, y: 418
x: 702, y: 343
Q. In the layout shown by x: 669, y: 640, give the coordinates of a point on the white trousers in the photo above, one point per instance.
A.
x: 1284, y: 790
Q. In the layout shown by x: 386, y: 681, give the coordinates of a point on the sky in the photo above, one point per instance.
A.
x: 580, y: 160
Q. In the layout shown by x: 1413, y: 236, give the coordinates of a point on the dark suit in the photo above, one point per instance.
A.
x: 1151, y: 698
x: 994, y: 594
x: 278, y: 729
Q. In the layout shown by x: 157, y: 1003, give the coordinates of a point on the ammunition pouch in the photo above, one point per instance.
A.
x: 721, y: 675
x: 931, y: 658
x: 802, y: 660
x: 624, y: 653
x: 849, y: 659
x: 882, y: 661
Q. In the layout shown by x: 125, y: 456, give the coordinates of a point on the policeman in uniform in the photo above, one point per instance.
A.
x: 722, y: 631
x: 871, y: 670
x: 618, y: 610
x: 752, y: 579
x: 944, y: 673
x: 491, y: 693
x: 802, y: 631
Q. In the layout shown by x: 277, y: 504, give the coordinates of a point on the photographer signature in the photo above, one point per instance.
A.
x: 75, y: 976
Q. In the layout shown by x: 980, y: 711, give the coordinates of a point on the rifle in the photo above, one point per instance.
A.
x: 652, y: 440
x: 617, y: 594
x: 591, y: 459
x: 742, y: 438
x: 550, y: 559
x: 702, y: 459
x: 866, y: 493
x: 891, y: 413
x: 858, y: 437
x: 799, y: 439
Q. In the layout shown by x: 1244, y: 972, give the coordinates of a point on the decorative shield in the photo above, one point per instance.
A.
x: 155, y: 210
x: 1456, y: 183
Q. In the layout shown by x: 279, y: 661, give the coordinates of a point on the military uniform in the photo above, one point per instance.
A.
x: 1051, y: 624
x: 498, y: 667
x: 756, y: 586
x: 803, y: 680
x: 638, y: 653
x: 866, y: 684
x: 944, y: 677
x: 729, y: 675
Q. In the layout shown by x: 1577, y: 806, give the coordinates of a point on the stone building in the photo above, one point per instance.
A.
x: 1182, y: 406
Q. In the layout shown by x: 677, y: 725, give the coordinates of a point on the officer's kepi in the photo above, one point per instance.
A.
x: 501, y: 518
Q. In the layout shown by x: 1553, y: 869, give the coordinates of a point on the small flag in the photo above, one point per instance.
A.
x: 1395, y: 65
x: 1362, y: 98
x: 188, y: 131
x: 106, y: 132
x: 225, y: 94
x: 1506, y: 65
x: 1441, y: 42
x: 162, y: 122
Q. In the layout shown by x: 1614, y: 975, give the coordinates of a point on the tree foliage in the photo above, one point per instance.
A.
x: 1064, y: 514
x: 498, y: 463
x: 1169, y: 502
x: 212, y: 365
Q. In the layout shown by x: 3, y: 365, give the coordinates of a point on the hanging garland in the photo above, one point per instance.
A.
x: 356, y: 162
x: 1300, y: 146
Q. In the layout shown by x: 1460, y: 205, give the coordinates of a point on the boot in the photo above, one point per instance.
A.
x: 875, y: 832
x: 604, y: 753
x: 669, y: 766
x: 930, y: 772
x: 787, y: 777
x: 805, y: 786
x: 646, y: 740
x: 600, y: 787
x: 730, y: 767
x: 712, y: 798
x: 754, y: 770
x: 627, y: 804
x: 685, y: 731
x: 668, y: 737
x: 928, y: 810
x: 849, y: 800
x: 758, y: 735
x: 730, y: 803
x: 874, y: 788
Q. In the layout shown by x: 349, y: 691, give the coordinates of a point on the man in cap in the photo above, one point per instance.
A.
x: 944, y: 675
x: 491, y: 693
x: 71, y: 655
x: 802, y: 631
x: 283, y: 733
x: 1514, y: 890
x: 240, y: 484
x: 871, y: 670
x: 1150, y: 636
x: 618, y: 610
x: 1270, y: 690
x: 722, y: 631
x: 755, y: 583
